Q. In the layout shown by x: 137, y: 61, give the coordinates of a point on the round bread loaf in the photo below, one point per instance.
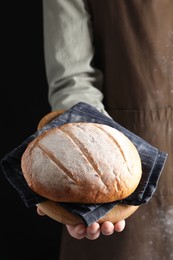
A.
x: 82, y: 163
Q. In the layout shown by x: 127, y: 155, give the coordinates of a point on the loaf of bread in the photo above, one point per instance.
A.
x: 82, y: 163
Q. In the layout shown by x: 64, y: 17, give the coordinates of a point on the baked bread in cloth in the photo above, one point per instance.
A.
x: 82, y: 163
x: 153, y: 161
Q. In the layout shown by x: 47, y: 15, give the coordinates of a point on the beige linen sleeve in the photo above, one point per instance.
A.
x: 69, y: 50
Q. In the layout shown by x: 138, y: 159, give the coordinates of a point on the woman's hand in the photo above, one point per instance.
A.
x: 92, y: 232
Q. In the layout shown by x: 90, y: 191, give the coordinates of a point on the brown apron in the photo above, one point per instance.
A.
x: 134, y: 48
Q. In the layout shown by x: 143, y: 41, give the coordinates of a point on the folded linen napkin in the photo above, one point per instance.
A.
x: 153, y: 161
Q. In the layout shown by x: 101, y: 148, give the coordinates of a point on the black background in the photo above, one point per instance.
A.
x: 24, y: 234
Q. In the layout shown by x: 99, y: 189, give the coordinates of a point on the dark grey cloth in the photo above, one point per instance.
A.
x: 153, y: 161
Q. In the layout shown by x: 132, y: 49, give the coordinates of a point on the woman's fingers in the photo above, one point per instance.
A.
x: 119, y: 226
x: 77, y: 232
x: 81, y: 231
x: 40, y: 212
x: 93, y: 231
x: 107, y: 228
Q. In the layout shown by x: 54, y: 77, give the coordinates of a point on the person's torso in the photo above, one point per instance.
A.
x: 134, y: 50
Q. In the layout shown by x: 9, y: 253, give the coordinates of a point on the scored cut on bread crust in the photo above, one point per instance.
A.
x: 82, y: 163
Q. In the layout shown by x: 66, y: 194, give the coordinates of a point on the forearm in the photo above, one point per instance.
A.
x: 68, y: 55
